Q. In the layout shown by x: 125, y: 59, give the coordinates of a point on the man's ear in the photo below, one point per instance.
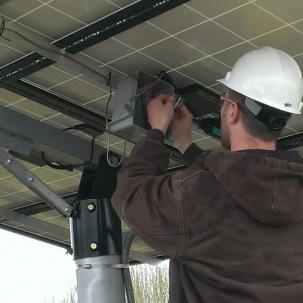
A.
x: 234, y: 112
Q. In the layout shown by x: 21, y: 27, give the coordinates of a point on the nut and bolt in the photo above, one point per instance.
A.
x: 114, y: 159
x: 93, y: 245
x: 91, y: 207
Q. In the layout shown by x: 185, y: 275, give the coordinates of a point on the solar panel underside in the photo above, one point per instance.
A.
x: 197, y: 42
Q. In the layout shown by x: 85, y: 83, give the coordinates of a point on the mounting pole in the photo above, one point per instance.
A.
x: 96, y: 237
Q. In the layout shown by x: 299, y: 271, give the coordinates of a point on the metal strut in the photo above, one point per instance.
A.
x: 30, y: 180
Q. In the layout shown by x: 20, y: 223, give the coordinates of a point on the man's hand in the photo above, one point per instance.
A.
x: 181, y: 128
x: 160, y: 112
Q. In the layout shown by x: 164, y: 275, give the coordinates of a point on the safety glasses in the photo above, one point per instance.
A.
x: 222, y: 98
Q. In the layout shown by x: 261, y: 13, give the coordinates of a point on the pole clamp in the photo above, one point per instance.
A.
x: 114, y: 266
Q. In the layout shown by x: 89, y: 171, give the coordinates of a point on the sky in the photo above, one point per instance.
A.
x: 32, y: 271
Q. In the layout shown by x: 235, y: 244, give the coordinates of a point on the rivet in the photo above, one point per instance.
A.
x: 114, y: 159
x: 93, y: 245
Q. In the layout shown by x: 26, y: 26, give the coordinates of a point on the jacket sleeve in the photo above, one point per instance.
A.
x: 147, y: 199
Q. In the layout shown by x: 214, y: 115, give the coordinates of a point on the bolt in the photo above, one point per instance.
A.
x: 129, y: 109
x: 114, y: 159
x: 93, y: 245
x: 91, y: 207
x: 31, y: 179
x: 9, y: 161
x: 84, y: 266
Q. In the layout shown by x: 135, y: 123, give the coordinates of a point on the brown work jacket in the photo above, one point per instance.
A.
x: 232, y: 223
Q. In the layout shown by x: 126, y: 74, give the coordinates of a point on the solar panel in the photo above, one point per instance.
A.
x: 195, y: 43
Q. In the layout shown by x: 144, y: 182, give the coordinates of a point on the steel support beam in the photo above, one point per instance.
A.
x: 15, y: 144
x: 291, y: 142
x: 58, y: 145
x: 58, y: 103
x: 57, y: 231
x: 24, y: 233
x: 8, y: 216
x: 95, y: 121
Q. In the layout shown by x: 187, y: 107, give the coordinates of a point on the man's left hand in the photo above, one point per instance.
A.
x: 160, y: 112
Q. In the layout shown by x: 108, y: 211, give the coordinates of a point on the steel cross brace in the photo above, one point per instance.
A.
x: 30, y: 180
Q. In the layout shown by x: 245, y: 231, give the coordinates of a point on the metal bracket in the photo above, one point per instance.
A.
x: 113, y: 266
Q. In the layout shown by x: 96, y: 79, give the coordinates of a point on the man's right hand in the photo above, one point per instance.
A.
x: 180, y: 127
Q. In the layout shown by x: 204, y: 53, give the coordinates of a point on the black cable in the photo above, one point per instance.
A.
x: 109, y: 79
x: 125, y: 272
x: 69, y: 167
x: 148, y: 86
x: 107, y: 103
x: 80, y: 126
x: 72, y: 166
x: 92, y: 149
x: 108, y: 134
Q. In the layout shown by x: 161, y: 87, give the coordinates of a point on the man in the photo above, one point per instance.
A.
x: 232, y: 223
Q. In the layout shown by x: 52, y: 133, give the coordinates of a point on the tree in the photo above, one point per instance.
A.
x: 70, y: 297
x: 150, y: 283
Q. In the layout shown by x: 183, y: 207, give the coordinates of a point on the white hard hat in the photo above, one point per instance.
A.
x: 269, y: 76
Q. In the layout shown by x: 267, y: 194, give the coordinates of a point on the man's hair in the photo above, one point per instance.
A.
x: 255, y: 127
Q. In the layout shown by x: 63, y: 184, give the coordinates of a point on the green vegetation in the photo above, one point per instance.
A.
x: 150, y: 283
x: 70, y: 297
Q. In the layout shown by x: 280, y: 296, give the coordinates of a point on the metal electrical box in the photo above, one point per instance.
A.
x: 129, y: 118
